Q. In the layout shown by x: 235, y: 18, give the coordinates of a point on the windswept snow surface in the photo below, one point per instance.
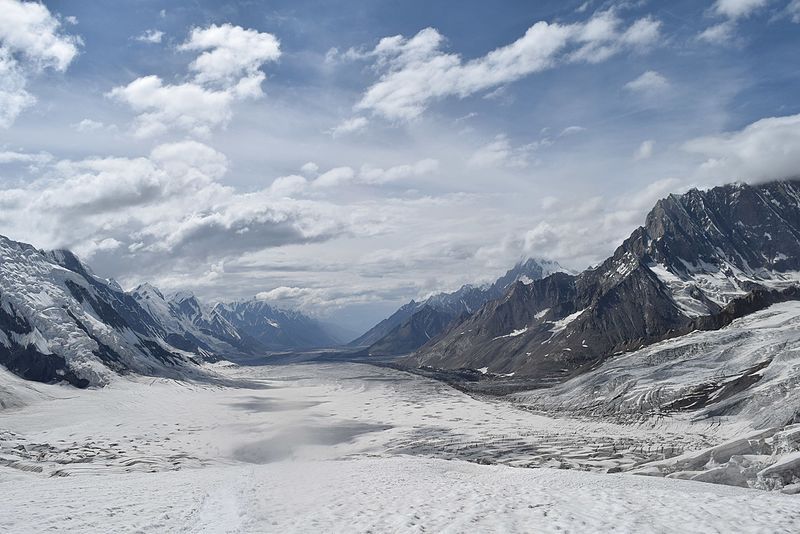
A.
x: 340, y: 448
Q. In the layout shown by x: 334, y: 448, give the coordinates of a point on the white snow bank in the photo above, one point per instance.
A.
x: 561, y: 324
x: 513, y: 333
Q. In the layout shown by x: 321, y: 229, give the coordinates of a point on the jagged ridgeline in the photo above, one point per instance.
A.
x: 701, y: 260
x: 60, y: 321
x: 417, y: 323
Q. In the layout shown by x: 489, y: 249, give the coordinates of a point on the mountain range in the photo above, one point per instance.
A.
x: 416, y: 323
x: 60, y: 321
x: 701, y: 260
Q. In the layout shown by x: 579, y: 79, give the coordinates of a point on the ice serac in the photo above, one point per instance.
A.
x: 60, y: 322
x: 417, y: 323
x: 274, y: 328
x: 701, y: 260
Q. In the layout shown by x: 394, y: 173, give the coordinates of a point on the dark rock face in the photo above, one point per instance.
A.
x: 749, y: 227
x: 416, y: 323
x: 273, y: 328
x: 420, y: 328
x: 701, y: 259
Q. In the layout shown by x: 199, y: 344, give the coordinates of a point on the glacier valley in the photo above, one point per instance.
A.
x: 346, y: 447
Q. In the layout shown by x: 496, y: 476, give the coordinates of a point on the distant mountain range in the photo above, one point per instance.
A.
x: 59, y: 321
x: 276, y: 329
x: 416, y: 323
x: 701, y: 260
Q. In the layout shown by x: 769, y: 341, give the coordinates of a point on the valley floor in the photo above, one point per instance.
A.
x: 342, y: 448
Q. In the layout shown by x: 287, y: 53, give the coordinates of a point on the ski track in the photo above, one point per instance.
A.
x: 343, y: 448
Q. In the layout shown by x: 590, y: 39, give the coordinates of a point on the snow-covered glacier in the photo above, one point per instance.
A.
x: 742, y: 381
x: 340, y: 448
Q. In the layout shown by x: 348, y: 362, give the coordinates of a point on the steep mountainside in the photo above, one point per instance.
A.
x: 701, y: 260
x: 190, y: 326
x: 274, y: 328
x: 58, y: 321
x: 403, y: 331
x: 424, y: 325
x: 61, y: 322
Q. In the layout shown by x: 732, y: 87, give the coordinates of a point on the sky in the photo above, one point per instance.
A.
x: 344, y: 157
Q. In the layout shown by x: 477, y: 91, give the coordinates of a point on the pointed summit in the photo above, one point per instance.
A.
x: 147, y: 289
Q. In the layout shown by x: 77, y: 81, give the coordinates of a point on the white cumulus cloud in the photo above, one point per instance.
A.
x: 718, y: 33
x: 793, y: 9
x: 227, y: 70
x: 150, y: 36
x: 349, y: 126
x: 732, y: 10
x: 501, y: 153
x: 735, y: 9
x: 30, y: 40
x: 645, y: 150
x: 168, y: 207
x: 88, y: 125
x: 763, y: 150
x: 648, y: 83
x: 230, y: 54
x: 416, y: 71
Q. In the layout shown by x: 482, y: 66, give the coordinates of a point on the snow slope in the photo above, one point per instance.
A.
x: 388, y: 495
x: 747, y: 372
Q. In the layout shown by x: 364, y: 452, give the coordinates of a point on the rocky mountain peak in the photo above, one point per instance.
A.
x: 696, y: 254
x: 147, y: 290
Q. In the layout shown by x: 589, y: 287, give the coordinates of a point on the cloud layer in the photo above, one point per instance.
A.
x: 764, y: 150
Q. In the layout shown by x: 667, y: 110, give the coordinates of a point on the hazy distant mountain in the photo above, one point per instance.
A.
x: 274, y: 328
x: 701, y: 260
x: 422, y: 326
x: 415, y: 323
